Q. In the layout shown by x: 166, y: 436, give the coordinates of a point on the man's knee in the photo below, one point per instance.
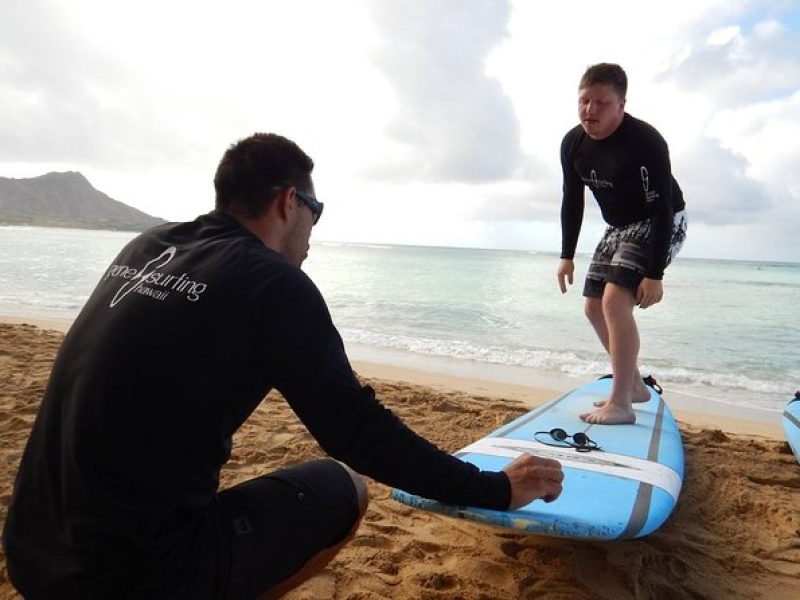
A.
x: 316, y: 563
x: 362, y: 492
x: 617, y: 299
x: 593, y: 309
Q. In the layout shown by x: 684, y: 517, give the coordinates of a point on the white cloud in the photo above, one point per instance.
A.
x: 453, y: 122
x: 430, y: 121
x: 717, y: 187
x: 723, y: 36
x: 736, y: 67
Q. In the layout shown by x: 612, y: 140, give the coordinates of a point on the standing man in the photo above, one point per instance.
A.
x: 190, y: 327
x: 625, y: 162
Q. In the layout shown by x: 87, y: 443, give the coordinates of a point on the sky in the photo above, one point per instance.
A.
x: 431, y: 122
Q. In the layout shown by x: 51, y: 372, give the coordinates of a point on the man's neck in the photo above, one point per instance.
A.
x: 261, y: 227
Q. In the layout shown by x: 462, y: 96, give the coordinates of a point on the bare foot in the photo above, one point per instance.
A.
x: 641, y: 395
x: 610, y: 415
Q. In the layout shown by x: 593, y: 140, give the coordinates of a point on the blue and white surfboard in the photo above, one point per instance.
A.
x: 791, y: 424
x: 625, y: 488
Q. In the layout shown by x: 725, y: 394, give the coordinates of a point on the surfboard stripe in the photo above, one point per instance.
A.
x: 522, y: 422
x: 618, y: 465
x: 655, y: 440
x: 640, y: 512
x: 644, y: 495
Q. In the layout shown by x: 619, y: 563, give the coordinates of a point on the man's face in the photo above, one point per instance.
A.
x: 600, y: 110
x: 297, y: 250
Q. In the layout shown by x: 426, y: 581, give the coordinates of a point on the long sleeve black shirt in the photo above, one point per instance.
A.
x: 182, y: 338
x: 630, y: 175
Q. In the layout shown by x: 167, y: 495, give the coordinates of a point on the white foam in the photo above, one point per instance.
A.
x: 731, y: 389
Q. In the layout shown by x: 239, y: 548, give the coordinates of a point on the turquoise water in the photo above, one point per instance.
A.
x: 727, y: 331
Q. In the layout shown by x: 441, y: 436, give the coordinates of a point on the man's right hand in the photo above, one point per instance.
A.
x: 533, y: 478
x: 566, y: 267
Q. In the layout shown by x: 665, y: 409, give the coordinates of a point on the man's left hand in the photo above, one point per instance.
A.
x: 650, y: 292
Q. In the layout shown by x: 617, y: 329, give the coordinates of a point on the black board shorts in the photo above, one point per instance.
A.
x: 264, y: 530
x: 622, y: 255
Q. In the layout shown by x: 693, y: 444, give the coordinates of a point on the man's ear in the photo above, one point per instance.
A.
x: 284, y: 203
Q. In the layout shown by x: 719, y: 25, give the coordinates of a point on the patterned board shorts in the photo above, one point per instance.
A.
x: 621, y: 257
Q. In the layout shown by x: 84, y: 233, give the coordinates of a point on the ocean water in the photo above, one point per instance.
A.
x: 727, y: 331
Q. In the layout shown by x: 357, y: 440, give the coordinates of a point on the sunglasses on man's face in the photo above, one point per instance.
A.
x: 312, y: 203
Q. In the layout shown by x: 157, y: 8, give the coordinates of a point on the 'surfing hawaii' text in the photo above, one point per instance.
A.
x: 149, y: 281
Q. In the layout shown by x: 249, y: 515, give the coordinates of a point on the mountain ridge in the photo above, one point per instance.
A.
x: 66, y: 199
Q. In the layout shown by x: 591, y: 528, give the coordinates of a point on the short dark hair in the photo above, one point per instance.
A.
x: 606, y: 74
x: 253, y: 170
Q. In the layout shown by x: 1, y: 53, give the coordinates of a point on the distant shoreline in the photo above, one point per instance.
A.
x: 389, y: 245
x: 67, y: 199
x: 554, y: 253
x: 76, y: 226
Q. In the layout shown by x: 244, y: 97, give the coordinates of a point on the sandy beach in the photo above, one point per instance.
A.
x: 734, y: 534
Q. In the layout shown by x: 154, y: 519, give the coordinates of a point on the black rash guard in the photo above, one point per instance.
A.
x: 630, y: 175
x: 179, y: 342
